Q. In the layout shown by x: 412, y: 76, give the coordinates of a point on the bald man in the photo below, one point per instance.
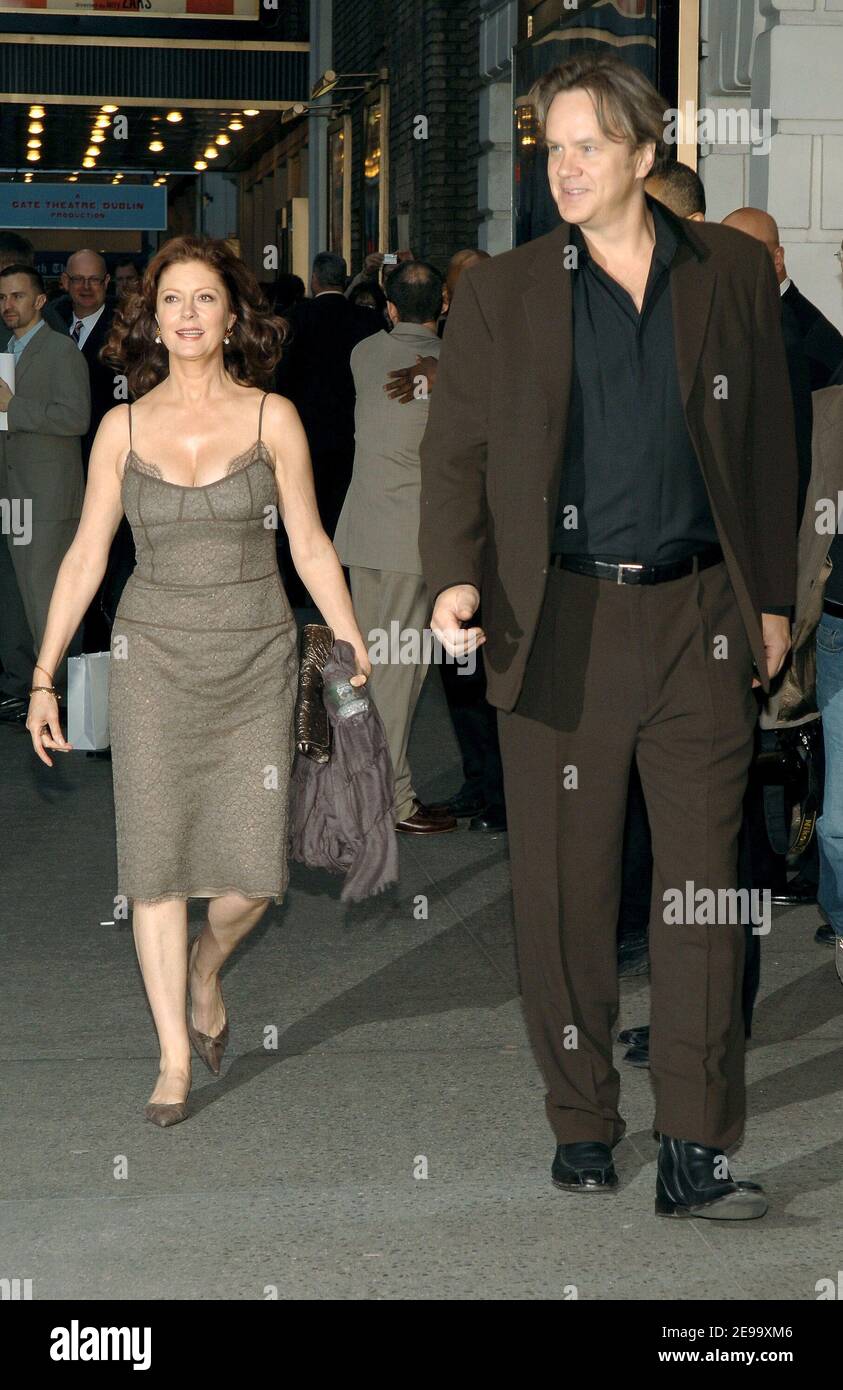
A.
x: 821, y: 341
x: 762, y: 227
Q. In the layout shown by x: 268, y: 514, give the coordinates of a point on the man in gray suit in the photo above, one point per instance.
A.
x: 41, y: 481
x: 377, y: 533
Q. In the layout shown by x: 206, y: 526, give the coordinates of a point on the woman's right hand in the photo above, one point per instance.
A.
x: 44, y: 725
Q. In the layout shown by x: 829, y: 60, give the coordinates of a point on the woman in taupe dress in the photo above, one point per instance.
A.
x: 203, y: 656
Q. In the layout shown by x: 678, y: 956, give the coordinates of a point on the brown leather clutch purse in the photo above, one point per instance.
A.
x: 313, y: 729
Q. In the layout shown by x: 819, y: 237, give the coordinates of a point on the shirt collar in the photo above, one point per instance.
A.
x: 785, y: 286
x: 413, y: 330
x: 89, y: 320
x: 17, y: 345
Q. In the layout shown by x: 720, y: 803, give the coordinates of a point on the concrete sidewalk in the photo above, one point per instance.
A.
x: 401, y: 1051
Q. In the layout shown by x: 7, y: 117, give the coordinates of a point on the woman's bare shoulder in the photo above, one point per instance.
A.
x: 279, y: 412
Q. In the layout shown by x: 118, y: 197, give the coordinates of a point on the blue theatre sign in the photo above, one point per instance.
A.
x: 131, y: 207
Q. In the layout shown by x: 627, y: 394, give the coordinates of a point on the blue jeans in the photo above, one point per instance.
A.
x: 830, y: 823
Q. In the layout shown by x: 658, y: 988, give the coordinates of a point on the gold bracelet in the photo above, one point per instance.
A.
x: 48, y: 689
x: 51, y: 674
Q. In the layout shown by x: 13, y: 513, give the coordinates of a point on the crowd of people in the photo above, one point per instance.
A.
x: 356, y: 425
x: 416, y: 391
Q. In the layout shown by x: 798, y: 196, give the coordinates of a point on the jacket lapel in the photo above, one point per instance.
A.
x: 692, y: 281
x: 30, y: 354
x: 547, y: 308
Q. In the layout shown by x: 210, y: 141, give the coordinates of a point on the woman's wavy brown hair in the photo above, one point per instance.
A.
x: 257, y: 337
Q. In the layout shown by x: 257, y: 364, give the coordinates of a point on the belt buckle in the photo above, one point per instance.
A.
x: 621, y: 569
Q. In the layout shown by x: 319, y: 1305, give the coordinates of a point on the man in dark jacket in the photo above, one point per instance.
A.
x: 610, y: 463
x: 315, y: 374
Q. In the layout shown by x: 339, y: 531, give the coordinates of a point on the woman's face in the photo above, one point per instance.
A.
x: 192, y: 309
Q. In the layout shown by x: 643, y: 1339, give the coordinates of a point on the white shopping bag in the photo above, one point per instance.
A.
x: 7, y: 374
x: 87, y: 701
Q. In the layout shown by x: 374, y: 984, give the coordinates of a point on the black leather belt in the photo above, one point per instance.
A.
x: 830, y: 605
x: 638, y: 574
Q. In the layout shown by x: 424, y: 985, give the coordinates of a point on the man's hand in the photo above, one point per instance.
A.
x: 5, y: 396
x: 776, y: 632
x: 453, y: 606
x: 402, y: 384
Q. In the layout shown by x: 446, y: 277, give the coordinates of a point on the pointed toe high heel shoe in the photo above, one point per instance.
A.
x: 209, y: 1049
x: 164, y: 1115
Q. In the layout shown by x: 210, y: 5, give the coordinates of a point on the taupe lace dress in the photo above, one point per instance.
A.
x: 203, y: 679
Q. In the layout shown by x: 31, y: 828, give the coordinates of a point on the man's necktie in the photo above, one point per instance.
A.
x: 77, y: 329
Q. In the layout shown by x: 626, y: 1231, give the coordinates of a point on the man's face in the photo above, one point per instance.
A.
x: 592, y: 178
x: 20, y: 303
x: 86, y: 282
x: 127, y: 280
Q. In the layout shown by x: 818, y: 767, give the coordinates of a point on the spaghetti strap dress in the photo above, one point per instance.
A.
x: 203, y: 673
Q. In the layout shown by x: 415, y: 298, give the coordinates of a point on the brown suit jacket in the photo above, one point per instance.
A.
x: 492, y: 452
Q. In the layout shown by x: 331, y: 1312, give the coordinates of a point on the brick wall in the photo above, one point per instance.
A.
x: 431, y: 48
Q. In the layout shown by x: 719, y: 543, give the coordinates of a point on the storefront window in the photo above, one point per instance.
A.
x: 336, y: 190
x: 372, y: 177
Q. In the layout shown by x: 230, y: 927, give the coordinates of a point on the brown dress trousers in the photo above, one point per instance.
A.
x: 620, y: 672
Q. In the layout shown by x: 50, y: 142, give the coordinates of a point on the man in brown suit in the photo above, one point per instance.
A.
x: 610, y: 461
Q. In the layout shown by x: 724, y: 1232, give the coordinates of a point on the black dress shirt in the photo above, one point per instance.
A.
x: 630, y: 468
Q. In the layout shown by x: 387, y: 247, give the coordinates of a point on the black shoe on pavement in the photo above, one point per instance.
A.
x: 584, y: 1167
x: 689, y: 1183
x: 464, y: 804
x: 633, y: 1037
x: 492, y: 821
x: 639, y: 1055
x: 798, y: 892
x: 824, y: 935
x: 633, y: 954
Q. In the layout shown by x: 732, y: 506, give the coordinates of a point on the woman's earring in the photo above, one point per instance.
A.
x: 226, y: 339
x: 157, y: 337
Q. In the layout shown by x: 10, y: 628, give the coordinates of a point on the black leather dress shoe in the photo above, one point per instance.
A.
x: 466, y: 803
x: 824, y: 935
x: 687, y: 1185
x: 797, y: 892
x: 634, y: 1037
x: 584, y: 1167
x: 492, y: 821
x: 638, y: 1056
x: 633, y: 954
